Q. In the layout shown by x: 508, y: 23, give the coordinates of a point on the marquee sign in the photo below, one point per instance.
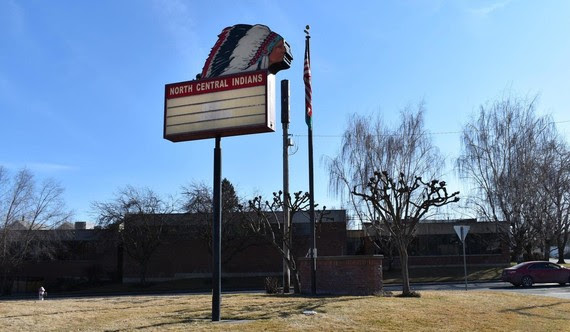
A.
x: 222, y: 106
x: 235, y: 93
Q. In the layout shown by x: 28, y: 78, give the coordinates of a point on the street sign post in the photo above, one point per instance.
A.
x: 462, y: 231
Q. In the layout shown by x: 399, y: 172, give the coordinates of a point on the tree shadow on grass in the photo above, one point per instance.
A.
x: 71, y: 310
x: 294, y: 304
x: 526, y: 311
x: 163, y: 324
x: 285, y: 306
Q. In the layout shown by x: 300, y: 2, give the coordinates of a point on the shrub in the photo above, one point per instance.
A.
x: 271, y: 285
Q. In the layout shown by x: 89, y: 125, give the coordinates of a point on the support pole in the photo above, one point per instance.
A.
x: 309, y: 120
x: 286, y: 213
x: 464, y: 259
x: 312, y: 217
x: 217, y: 234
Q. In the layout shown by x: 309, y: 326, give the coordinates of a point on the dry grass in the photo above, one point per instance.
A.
x: 434, y: 311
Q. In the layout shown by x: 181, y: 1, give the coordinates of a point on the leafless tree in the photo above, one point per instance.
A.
x: 198, y: 203
x: 401, y: 205
x: 379, y: 171
x: 265, y: 219
x: 554, y: 178
x: 503, y: 156
x: 140, y: 217
x: 27, y: 209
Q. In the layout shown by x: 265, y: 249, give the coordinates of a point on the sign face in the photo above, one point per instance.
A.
x: 461, y: 231
x: 220, y: 106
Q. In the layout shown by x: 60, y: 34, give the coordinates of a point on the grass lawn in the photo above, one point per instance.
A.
x: 434, y: 311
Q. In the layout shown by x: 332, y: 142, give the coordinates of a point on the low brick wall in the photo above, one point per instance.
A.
x: 343, y: 275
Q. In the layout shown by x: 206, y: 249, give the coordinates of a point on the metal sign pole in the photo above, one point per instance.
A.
x: 464, y: 259
x: 217, y: 234
x: 286, y: 213
x: 461, y: 231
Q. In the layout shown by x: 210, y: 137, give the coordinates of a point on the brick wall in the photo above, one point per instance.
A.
x: 343, y: 275
x: 187, y: 256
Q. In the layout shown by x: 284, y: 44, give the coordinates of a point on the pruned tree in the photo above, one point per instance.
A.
x: 264, y: 218
x: 380, y: 169
x: 401, y: 205
x: 139, y: 216
x: 27, y: 208
x: 198, y: 203
x: 503, y: 157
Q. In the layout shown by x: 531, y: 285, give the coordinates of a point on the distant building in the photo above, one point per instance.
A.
x: 69, y: 255
x: 436, y: 244
x: 84, y: 255
x: 185, y: 253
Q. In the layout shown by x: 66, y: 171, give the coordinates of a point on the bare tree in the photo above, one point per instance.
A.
x: 401, y: 205
x: 554, y: 178
x: 27, y: 208
x: 265, y: 219
x: 140, y: 217
x: 501, y: 156
x: 404, y: 155
x: 199, y: 204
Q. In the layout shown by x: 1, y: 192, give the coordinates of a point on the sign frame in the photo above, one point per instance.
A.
x: 209, y: 92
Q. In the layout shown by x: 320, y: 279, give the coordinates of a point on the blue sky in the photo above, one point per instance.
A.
x: 82, y: 82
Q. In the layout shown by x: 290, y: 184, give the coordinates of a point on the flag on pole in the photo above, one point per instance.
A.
x: 309, y: 120
x: 308, y: 91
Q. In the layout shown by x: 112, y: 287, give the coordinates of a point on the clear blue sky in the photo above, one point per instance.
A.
x: 82, y: 82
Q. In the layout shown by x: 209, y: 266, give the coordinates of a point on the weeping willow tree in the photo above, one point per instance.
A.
x: 517, y: 164
x: 388, y: 176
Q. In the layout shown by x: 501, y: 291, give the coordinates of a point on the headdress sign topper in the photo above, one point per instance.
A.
x: 243, y: 47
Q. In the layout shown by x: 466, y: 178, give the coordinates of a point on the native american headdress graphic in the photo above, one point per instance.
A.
x: 245, y: 47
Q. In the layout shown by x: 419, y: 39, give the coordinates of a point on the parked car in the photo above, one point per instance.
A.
x: 529, y: 273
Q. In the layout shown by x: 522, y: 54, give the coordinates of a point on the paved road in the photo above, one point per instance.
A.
x: 552, y: 290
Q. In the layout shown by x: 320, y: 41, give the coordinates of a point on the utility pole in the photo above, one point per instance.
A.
x: 287, y: 238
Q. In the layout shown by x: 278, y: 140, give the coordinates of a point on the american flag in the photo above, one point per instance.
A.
x: 308, y: 91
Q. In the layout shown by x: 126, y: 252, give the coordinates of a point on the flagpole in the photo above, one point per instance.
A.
x: 309, y: 120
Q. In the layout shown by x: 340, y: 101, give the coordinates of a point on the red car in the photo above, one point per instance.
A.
x: 528, y: 273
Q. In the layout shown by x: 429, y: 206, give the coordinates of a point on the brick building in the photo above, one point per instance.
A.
x: 437, y: 244
x: 94, y: 255
x: 184, y: 252
x: 73, y: 255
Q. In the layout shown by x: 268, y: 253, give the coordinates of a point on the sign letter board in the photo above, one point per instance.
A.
x: 222, y: 106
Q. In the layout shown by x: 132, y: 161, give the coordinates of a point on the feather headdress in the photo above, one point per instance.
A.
x: 244, y: 47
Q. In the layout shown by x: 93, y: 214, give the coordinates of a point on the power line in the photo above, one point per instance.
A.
x: 387, y: 135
